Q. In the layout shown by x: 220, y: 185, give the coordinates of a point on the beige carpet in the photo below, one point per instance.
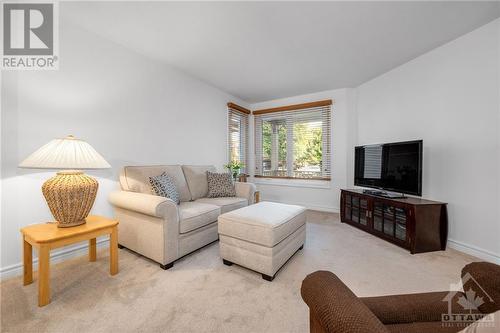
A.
x: 200, y: 294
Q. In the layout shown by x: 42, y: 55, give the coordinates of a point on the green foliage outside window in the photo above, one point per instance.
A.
x: 307, y: 144
x: 266, y: 141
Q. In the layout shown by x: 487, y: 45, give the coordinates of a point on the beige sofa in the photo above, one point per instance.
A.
x: 158, y: 228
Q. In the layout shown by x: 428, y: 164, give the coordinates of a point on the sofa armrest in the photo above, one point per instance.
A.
x: 410, y: 308
x: 147, y: 204
x: 335, y: 308
x: 245, y: 190
x: 484, y: 279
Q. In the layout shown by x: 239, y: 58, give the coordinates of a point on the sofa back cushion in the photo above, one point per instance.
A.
x: 136, y: 179
x: 196, y: 177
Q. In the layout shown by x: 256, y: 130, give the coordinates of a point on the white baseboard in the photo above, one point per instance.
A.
x: 17, y: 269
x: 71, y: 252
x: 474, y: 251
x: 329, y: 209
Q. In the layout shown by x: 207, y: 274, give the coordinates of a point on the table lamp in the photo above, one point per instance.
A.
x: 70, y: 194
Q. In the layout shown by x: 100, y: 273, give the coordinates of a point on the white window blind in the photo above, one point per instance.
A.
x: 238, y: 135
x: 294, y: 143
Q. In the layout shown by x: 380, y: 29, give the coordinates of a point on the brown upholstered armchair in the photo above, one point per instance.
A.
x: 334, y: 308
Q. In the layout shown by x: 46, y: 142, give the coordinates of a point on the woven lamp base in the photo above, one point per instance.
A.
x: 70, y: 195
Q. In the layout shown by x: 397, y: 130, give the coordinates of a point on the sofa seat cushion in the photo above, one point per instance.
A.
x: 226, y: 204
x: 136, y: 179
x: 194, y: 215
x: 196, y: 178
x: 265, y: 223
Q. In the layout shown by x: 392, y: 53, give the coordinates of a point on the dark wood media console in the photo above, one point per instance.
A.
x: 415, y: 224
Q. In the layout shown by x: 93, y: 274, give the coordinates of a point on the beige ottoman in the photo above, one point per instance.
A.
x: 262, y: 237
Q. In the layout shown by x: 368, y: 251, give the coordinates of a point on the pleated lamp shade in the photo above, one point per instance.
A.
x: 70, y: 194
x: 67, y: 153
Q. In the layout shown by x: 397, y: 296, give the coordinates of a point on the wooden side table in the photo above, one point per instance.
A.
x: 257, y: 196
x: 48, y: 236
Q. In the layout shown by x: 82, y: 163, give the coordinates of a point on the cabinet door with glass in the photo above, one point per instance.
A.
x: 356, y: 209
x: 390, y: 220
x: 418, y: 225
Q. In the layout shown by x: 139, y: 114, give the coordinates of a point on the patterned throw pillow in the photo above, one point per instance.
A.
x: 164, y: 186
x: 220, y: 185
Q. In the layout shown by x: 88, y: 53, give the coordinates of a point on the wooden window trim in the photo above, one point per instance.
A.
x: 286, y: 177
x: 243, y: 130
x: 326, y: 102
x: 238, y: 108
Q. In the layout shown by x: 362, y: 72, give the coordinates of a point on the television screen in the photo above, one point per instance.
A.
x: 391, y: 166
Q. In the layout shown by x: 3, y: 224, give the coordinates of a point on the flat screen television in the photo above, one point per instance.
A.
x: 393, y: 167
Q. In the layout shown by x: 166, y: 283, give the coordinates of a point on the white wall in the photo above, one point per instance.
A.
x: 320, y: 195
x: 448, y: 97
x: 498, y: 135
x: 131, y: 109
x: 136, y: 110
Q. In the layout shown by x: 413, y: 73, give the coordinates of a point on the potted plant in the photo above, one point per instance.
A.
x: 234, y: 168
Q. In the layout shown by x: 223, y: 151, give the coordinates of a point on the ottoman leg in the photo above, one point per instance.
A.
x: 267, y: 277
x: 167, y: 266
x: 227, y: 262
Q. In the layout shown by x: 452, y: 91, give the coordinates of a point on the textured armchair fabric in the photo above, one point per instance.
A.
x: 397, y: 309
x: 485, y: 325
x: 335, y: 307
x: 422, y: 327
x: 484, y: 279
x: 332, y: 308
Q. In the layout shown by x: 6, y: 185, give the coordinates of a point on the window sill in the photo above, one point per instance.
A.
x: 309, y: 183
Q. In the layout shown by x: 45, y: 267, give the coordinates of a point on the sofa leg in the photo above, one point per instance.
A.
x: 301, y: 247
x: 167, y: 266
x: 267, y: 277
x: 227, y: 262
x: 121, y: 246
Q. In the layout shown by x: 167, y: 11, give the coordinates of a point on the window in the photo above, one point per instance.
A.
x: 238, y: 134
x: 294, y: 141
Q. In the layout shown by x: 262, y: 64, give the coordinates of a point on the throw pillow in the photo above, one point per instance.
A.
x: 164, y: 186
x: 220, y: 185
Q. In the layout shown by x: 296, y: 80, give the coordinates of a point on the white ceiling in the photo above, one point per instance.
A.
x: 260, y: 51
